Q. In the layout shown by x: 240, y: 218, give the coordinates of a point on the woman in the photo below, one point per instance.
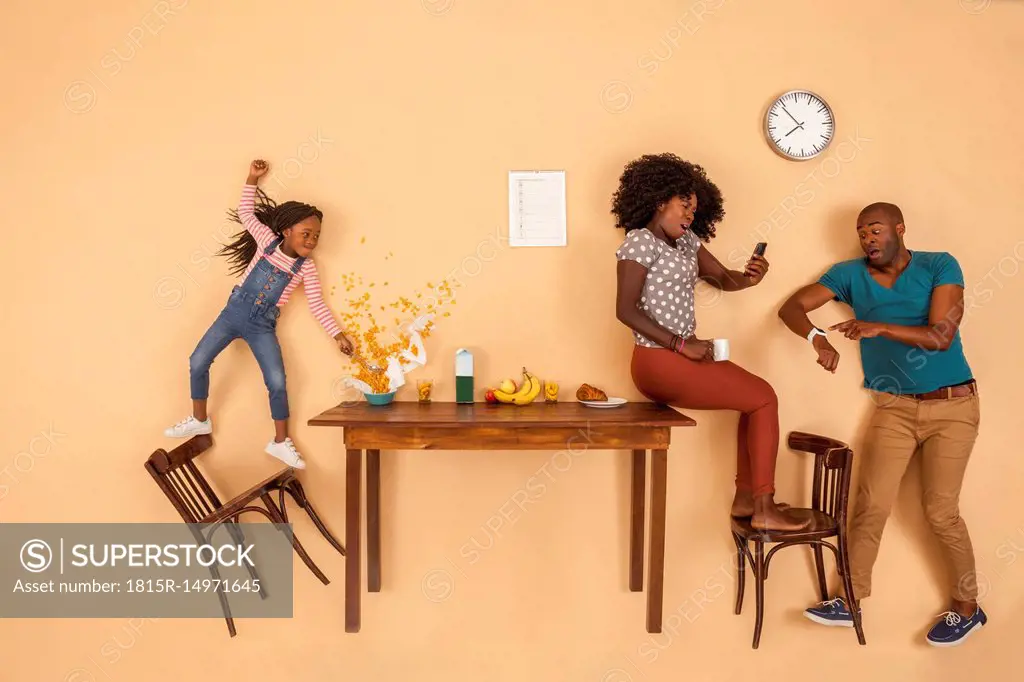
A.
x: 667, y: 206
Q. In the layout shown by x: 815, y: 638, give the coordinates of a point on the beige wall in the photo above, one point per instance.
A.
x: 126, y: 131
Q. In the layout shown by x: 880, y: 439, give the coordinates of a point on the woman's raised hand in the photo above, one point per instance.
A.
x: 756, y: 269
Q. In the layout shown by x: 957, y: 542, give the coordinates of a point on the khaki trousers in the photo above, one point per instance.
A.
x: 943, y: 432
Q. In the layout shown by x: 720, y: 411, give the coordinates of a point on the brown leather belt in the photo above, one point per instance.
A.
x: 946, y: 392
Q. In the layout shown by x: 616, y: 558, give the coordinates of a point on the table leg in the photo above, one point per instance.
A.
x: 636, y: 521
x: 353, y: 555
x: 656, y: 567
x: 373, y: 520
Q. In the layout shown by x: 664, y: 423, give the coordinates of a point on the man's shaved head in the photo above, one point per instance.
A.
x: 890, y: 213
x: 880, y: 227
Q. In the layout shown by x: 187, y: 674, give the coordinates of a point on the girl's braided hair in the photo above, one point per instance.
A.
x: 278, y: 217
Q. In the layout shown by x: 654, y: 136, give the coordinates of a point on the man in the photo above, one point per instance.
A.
x: 908, y: 307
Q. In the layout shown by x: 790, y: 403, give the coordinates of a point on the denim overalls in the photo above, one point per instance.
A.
x: 251, y: 314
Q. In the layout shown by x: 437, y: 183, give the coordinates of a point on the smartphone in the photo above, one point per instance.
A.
x: 760, y: 248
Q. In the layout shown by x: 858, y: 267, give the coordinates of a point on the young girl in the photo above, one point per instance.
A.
x: 274, y: 253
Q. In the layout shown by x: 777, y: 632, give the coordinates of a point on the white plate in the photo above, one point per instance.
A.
x: 611, y: 402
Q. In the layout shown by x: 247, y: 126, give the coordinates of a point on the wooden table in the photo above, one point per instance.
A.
x: 638, y: 427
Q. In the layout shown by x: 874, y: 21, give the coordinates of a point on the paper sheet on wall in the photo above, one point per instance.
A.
x: 536, y: 208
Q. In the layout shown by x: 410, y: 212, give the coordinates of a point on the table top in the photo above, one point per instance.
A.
x: 455, y: 415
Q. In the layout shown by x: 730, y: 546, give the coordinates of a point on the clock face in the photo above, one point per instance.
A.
x: 799, y: 125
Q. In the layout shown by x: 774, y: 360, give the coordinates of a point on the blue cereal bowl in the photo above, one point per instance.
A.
x: 380, y: 398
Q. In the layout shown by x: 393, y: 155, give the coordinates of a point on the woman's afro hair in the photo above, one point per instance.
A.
x: 654, y: 179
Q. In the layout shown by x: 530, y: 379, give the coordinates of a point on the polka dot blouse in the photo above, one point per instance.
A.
x: 671, y: 275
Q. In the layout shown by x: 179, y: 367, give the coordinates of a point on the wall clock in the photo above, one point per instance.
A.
x: 799, y: 125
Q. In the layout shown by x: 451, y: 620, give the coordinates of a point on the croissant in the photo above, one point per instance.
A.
x: 588, y: 392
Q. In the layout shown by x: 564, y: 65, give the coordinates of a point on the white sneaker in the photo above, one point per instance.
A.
x: 286, y: 452
x: 188, y: 427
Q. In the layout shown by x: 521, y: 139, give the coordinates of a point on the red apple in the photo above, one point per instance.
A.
x: 489, y: 397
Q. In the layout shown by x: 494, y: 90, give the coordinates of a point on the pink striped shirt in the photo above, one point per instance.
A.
x: 307, y: 273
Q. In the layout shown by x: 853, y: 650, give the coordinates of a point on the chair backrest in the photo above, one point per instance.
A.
x: 181, y: 481
x: 833, y: 469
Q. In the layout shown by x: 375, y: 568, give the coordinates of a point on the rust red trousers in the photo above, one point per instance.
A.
x: 672, y: 379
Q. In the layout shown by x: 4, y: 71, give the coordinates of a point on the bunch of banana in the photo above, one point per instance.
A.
x: 526, y: 393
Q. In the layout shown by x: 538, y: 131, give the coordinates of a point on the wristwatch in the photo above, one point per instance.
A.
x: 815, y: 332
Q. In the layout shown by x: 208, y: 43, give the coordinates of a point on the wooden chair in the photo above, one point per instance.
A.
x: 179, y: 478
x: 830, y: 493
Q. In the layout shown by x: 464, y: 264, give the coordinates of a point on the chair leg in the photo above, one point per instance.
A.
x: 295, y: 489
x: 221, y: 595
x: 741, y: 570
x: 759, y: 575
x: 224, y: 602
x: 851, y: 598
x: 238, y: 535
x: 299, y: 549
x: 819, y: 564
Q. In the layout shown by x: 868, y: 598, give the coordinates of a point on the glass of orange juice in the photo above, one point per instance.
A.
x: 424, y: 387
x: 550, y: 391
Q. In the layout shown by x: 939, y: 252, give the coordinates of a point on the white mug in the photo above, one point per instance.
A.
x: 721, y: 349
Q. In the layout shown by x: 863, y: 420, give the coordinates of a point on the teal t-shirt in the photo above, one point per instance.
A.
x: 891, y: 366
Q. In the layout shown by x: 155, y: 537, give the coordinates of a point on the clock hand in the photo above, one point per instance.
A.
x: 791, y: 115
x: 799, y: 127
